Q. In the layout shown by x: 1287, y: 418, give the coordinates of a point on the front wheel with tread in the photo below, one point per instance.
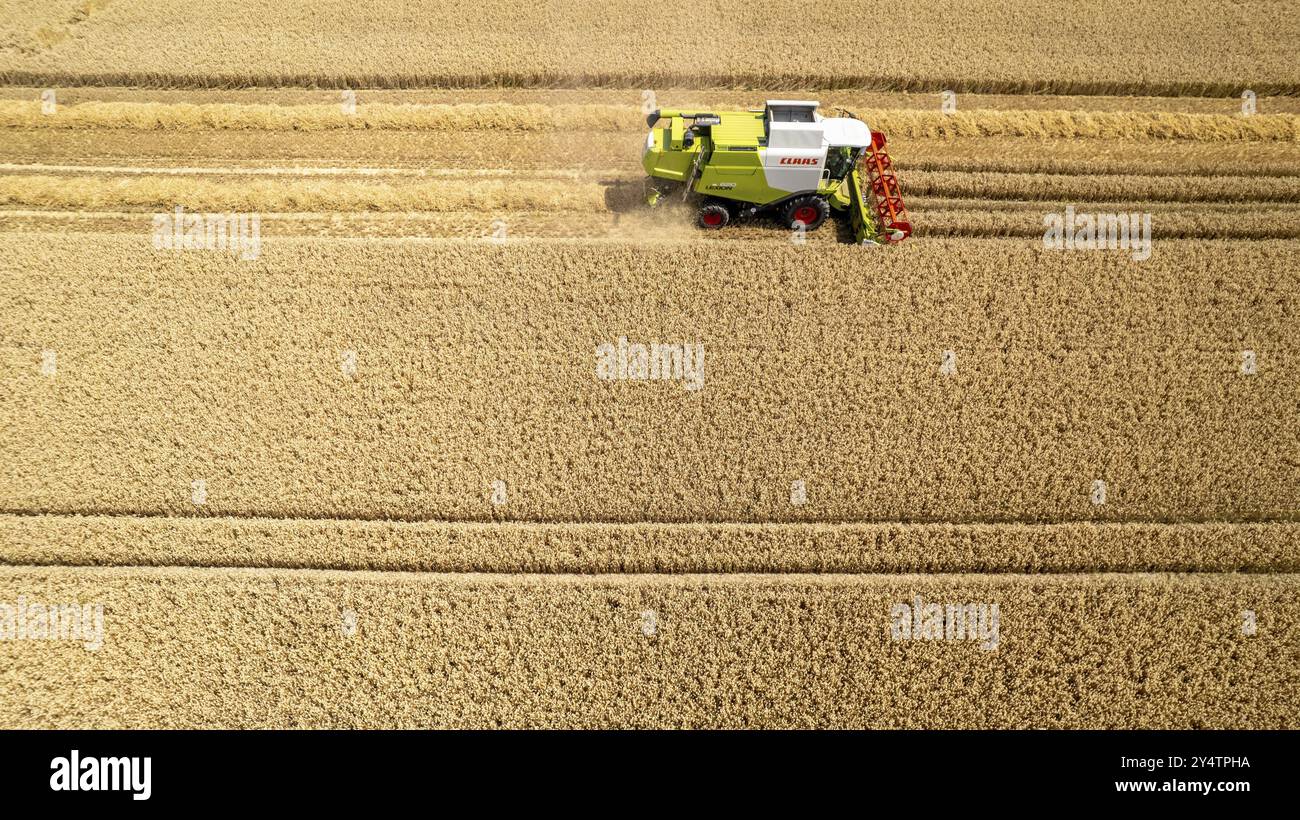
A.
x: 713, y: 215
x: 810, y: 210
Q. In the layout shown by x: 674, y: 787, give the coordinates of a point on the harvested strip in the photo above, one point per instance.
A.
x: 646, y: 548
x: 579, y: 193
x: 468, y: 150
x: 198, y: 193
x: 301, y: 171
x: 477, y: 363
x: 1131, y: 125
x: 546, y: 150
x: 259, y: 648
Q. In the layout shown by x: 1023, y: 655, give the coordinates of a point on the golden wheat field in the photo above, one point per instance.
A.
x: 1096, y: 649
x: 1183, y: 48
x: 374, y: 436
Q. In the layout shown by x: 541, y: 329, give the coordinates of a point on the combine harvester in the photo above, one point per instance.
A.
x: 785, y: 160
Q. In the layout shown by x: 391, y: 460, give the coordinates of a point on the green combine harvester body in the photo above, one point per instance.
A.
x: 784, y: 159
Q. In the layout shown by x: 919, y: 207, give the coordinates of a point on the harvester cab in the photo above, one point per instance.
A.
x: 785, y: 160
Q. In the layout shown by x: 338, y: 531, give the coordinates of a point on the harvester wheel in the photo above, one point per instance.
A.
x: 810, y: 210
x: 713, y: 215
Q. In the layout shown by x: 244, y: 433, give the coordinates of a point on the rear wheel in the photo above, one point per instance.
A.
x: 713, y: 215
x: 810, y: 211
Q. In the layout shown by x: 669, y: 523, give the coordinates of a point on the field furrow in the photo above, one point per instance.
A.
x: 585, y: 548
